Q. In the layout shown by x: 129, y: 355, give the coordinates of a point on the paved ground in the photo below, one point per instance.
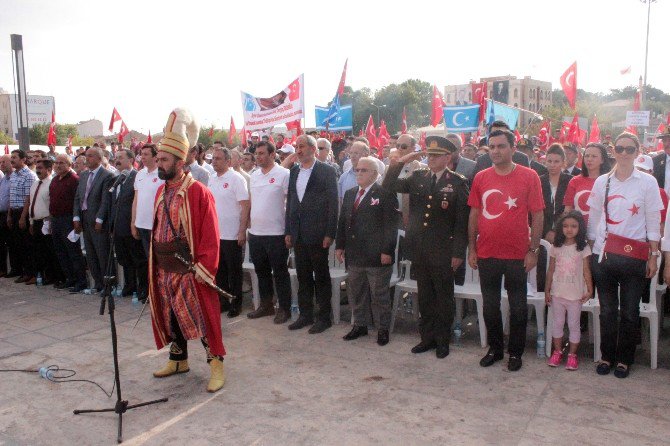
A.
x: 294, y: 388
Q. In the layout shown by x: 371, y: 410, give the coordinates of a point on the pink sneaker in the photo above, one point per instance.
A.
x: 555, y: 359
x: 572, y: 363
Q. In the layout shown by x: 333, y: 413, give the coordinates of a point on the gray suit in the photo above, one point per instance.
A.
x: 466, y: 167
x: 97, y: 244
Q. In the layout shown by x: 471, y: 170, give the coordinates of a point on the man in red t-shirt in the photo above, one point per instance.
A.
x: 499, y: 245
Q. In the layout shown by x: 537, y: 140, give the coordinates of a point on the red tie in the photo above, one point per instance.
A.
x: 358, y: 198
x: 32, y: 206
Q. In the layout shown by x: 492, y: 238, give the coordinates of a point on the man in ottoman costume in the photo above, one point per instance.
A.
x: 182, y: 305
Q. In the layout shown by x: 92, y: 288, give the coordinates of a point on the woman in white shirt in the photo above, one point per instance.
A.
x: 624, y: 230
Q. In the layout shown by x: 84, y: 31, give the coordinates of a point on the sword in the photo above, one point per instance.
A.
x: 191, y: 268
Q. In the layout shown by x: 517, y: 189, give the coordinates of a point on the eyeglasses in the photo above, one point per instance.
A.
x: 323, y: 148
x: 362, y: 170
x: 402, y: 146
x: 629, y: 149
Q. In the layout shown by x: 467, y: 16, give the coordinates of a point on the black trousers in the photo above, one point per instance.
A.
x: 619, y: 281
x: 269, y: 255
x: 491, y: 273
x: 179, y: 346
x: 20, y: 256
x: 229, y: 274
x: 311, y: 262
x: 4, y: 242
x: 130, y: 254
x: 97, y: 251
x: 435, y: 283
x: 145, y: 236
x: 69, y: 255
x: 45, y: 260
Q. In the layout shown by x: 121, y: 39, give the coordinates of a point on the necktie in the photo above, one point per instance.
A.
x: 358, y: 198
x: 433, y: 182
x: 32, y: 206
x: 89, y: 181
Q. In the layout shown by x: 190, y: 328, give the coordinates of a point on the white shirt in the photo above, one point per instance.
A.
x: 146, y: 185
x: 381, y: 168
x: 301, y: 181
x: 41, y: 201
x: 268, y: 201
x: 667, y: 174
x: 208, y: 167
x: 634, y: 209
x: 228, y: 190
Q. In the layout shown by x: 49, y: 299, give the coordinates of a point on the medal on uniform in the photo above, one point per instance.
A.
x: 445, y: 204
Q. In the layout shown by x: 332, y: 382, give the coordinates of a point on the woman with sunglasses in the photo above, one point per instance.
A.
x: 594, y: 164
x: 624, y: 231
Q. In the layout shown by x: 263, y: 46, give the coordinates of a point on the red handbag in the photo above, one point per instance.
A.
x: 623, y: 246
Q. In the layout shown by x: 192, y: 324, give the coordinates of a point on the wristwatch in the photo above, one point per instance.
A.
x: 534, y: 251
x: 655, y: 253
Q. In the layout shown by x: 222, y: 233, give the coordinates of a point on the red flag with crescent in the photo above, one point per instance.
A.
x: 231, y: 132
x: 403, y: 124
x: 437, y: 112
x: 594, y: 136
x: 569, y: 84
x: 115, y: 117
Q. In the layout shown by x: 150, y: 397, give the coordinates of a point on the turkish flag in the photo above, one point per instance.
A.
x: 211, y: 132
x: 6, y: 149
x: 294, y: 90
x: 437, y: 113
x: 361, y: 133
x: 403, y: 124
x: 573, y: 131
x: 475, y: 138
x: 594, y: 136
x: 51, y: 137
x: 231, y: 132
x: 422, y: 140
x: 569, y: 84
x: 149, y: 140
x: 659, y: 130
x: 383, y: 131
x: 636, y: 101
x: 123, y: 131
x: 517, y: 135
x: 565, y: 131
x: 243, y: 138
x: 69, y: 140
x: 340, y: 88
x: 371, y: 133
x: 631, y: 129
x: 479, y: 97
x: 545, y: 135
x: 115, y: 117
x: 295, y: 125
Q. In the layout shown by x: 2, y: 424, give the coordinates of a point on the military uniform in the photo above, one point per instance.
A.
x: 437, y: 231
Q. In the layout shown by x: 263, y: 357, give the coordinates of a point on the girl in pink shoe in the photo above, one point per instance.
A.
x: 568, y: 284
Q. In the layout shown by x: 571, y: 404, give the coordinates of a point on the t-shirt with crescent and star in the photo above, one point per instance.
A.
x: 578, y: 193
x: 504, y: 202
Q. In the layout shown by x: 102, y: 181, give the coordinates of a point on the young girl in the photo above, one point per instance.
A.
x: 568, y: 284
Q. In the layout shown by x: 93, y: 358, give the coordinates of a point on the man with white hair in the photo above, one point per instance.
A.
x: 366, y: 239
x: 324, y: 153
x: 459, y: 164
x: 348, y: 179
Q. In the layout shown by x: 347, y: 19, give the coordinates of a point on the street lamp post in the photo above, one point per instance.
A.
x: 378, y: 107
x: 646, y: 51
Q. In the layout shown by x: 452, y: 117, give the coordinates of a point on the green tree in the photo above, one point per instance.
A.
x: 219, y: 135
x: 38, y: 134
x: 6, y: 139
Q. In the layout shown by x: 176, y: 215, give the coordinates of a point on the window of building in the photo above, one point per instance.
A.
x: 448, y: 97
x: 516, y: 105
x: 470, y: 97
x: 516, y: 93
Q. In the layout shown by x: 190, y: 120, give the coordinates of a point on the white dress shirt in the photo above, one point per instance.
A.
x: 634, y: 209
x: 41, y: 201
x: 302, y: 180
x: 667, y: 175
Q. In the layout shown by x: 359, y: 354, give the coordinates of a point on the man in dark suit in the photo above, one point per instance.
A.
x: 311, y: 225
x: 571, y: 158
x: 526, y: 146
x: 90, y: 217
x: 662, y: 160
x: 366, y: 235
x: 436, y: 236
x: 484, y: 161
x: 129, y: 250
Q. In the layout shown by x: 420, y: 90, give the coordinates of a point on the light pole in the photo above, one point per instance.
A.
x: 378, y: 107
x: 646, y: 51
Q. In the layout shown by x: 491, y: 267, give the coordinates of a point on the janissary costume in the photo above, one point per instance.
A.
x: 185, y: 223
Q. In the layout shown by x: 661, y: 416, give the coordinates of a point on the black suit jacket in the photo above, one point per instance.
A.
x: 484, y: 161
x: 659, y: 169
x: 315, y: 217
x: 102, y: 181
x: 553, y: 210
x: 575, y: 171
x: 538, y: 168
x: 122, y: 205
x: 439, y: 218
x: 369, y: 231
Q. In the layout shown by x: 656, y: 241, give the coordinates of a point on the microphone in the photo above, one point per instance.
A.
x: 118, y: 181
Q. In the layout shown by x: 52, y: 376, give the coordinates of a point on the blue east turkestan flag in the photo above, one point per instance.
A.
x: 342, y: 121
x: 333, y: 111
x: 461, y: 118
x: 500, y: 112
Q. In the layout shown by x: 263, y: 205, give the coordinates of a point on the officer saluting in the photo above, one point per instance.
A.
x: 436, y: 236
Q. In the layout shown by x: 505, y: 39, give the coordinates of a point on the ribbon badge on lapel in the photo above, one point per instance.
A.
x: 374, y: 201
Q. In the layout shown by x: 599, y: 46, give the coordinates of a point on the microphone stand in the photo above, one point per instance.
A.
x: 110, y: 280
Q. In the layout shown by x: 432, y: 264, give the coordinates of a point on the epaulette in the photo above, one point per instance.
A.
x: 460, y: 176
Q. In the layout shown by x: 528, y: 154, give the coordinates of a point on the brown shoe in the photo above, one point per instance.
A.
x: 264, y: 309
x: 282, y: 316
x: 31, y: 281
x: 21, y: 279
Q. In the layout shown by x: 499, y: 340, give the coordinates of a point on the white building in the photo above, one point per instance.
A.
x: 92, y: 127
x: 528, y: 94
x: 40, y: 109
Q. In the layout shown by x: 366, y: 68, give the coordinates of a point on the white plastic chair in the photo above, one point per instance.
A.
x: 650, y: 311
x: 405, y: 285
x: 337, y: 275
x: 471, y: 290
x: 248, y: 267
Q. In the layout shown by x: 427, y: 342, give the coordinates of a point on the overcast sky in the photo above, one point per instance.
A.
x: 147, y: 57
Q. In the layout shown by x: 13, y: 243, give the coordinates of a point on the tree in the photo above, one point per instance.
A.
x: 219, y: 135
x: 6, y: 139
x: 40, y: 132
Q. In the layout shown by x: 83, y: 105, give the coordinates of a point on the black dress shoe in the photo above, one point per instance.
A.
x: 320, y: 327
x: 621, y: 371
x: 128, y: 291
x: 491, y: 358
x: 264, y: 309
x: 12, y: 274
x: 442, y: 351
x: 234, y: 311
x: 382, y: 337
x: 60, y: 285
x: 356, y: 333
x: 21, y: 279
x: 422, y: 347
x: 282, y: 316
x: 603, y: 368
x: 514, y: 363
x: 302, y: 322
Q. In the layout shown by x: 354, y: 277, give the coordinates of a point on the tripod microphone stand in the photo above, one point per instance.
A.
x: 109, y: 281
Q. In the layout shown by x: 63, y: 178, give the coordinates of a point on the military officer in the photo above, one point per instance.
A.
x: 436, y: 236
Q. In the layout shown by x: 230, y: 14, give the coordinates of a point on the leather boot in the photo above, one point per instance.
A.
x: 172, y: 368
x: 266, y: 308
x: 217, y: 377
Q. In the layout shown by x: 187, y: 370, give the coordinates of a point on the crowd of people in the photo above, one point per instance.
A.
x: 487, y: 203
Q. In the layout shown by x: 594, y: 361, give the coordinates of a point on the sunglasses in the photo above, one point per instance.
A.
x: 629, y: 150
x: 323, y: 148
x: 362, y: 170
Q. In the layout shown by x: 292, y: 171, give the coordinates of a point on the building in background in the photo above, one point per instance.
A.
x: 527, y: 93
x: 92, y: 127
x: 40, y: 109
